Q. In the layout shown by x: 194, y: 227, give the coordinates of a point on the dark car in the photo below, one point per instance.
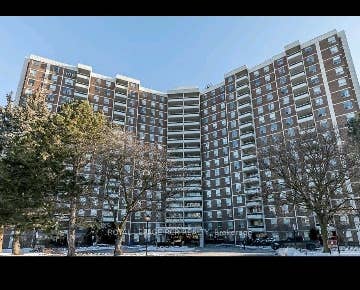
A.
x: 298, y: 243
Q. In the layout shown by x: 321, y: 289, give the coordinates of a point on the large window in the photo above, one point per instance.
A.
x: 342, y: 82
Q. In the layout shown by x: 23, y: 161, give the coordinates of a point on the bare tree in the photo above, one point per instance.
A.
x: 134, y: 179
x: 312, y: 171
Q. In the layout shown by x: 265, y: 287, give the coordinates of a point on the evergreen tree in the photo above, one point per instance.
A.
x: 26, y: 167
x: 79, y: 130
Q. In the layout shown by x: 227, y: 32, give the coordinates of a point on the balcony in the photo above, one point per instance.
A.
x: 193, y: 220
x: 173, y: 100
x: 120, y: 95
x: 120, y: 104
x: 292, y: 56
x: 171, y: 133
x: 250, y: 168
x: 251, y: 179
x: 301, y: 96
x: 256, y: 229
x: 295, y: 65
x: 299, y: 86
x: 303, y: 107
x: 245, y: 115
x: 80, y: 95
x: 119, y: 122
x: 257, y: 216
x: 247, y: 146
x: 246, y: 125
x: 118, y: 113
x: 244, y: 106
x: 254, y: 203
x: 188, y: 132
x: 297, y: 75
x: 85, y: 87
x: 305, y: 118
x: 252, y: 190
x: 247, y: 134
x: 192, y: 209
x: 243, y: 97
x: 242, y: 87
x: 121, y: 86
x: 249, y: 156
x: 242, y: 78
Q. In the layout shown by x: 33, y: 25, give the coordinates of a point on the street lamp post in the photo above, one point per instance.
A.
x: 147, y: 219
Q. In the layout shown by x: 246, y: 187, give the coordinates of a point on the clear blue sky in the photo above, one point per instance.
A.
x: 162, y: 52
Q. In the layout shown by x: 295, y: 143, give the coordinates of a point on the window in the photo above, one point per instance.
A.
x: 68, y: 82
x: 267, y: 78
x: 259, y: 100
x: 258, y: 91
x: 336, y: 60
x: 106, y: 101
x: 314, y: 80
x: 331, y: 39
x: 286, y: 100
x: 289, y: 121
x: 282, y: 80
x: 308, y: 49
x: 339, y: 70
x: 324, y: 123
x: 266, y: 69
x: 262, y: 130
x: 31, y: 82
x: 310, y: 59
x: 280, y: 62
x: 52, y: 88
x: 284, y: 91
x: 268, y: 87
x: 282, y: 70
x: 261, y: 119
x: 288, y: 110
x: 317, y: 90
x: 291, y: 132
x: 345, y: 93
x: 271, y: 106
x: 234, y: 133
x: 260, y: 110
x: 312, y: 69
x: 348, y: 105
x: 272, y: 117
x: 269, y: 97
x: 236, y: 165
x: 342, y: 82
x: 273, y: 127
x: 321, y: 112
x: 257, y: 82
x: 32, y: 72
x: 263, y: 140
x: 334, y: 49
x: 256, y: 74
x: 319, y: 101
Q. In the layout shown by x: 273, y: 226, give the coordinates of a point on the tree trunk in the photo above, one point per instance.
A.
x: 119, y: 237
x: 1, y: 237
x: 324, y: 236
x: 71, y: 229
x: 16, y: 242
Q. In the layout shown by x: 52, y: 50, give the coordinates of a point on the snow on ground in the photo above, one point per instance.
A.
x: 209, y: 250
x: 350, y: 251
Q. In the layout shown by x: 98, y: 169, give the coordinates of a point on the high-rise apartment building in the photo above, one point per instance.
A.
x: 214, y: 136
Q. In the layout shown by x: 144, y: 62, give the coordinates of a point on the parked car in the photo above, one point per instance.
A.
x: 298, y: 243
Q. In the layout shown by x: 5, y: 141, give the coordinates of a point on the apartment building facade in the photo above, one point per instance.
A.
x: 214, y: 136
